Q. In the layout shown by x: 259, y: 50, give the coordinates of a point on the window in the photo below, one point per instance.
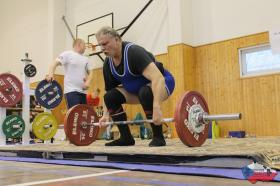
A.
x: 258, y: 60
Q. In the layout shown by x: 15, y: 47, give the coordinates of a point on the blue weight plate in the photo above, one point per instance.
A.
x: 48, y: 94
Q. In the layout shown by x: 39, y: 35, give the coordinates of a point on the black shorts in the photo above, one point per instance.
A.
x: 75, y: 98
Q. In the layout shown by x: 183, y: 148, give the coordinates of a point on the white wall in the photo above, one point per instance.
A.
x: 186, y: 21
x: 174, y: 22
x: 150, y: 30
x: 56, y: 30
x: 30, y: 26
x: 216, y: 20
x: 36, y: 27
x: 23, y: 29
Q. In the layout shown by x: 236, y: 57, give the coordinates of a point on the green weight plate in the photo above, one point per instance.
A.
x: 44, y: 126
x: 13, y: 126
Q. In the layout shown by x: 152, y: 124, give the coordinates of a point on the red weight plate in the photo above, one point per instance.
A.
x: 185, y: 132
x: 74, y: 119
x: 10, y: 90
x: 65, y: 121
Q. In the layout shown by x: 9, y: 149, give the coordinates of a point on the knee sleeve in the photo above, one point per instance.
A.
x: 113, y: 100
x: 146, y: 99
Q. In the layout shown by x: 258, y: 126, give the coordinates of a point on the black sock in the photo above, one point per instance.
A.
x: 146, y: 98
x: 157, y: 131
x: 123, y: 129
x: 126, y: 138
x: 158, y: 139
x: 121, y: 142
x: 157, y: 142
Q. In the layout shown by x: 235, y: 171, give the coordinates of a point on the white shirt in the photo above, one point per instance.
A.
x: 76, y: 67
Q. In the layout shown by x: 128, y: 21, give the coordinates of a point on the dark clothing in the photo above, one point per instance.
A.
x: 129, y: 72
x: 113, y: 100
x: 75, y: 98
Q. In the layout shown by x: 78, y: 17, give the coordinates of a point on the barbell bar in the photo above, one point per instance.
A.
x: 191, y: 118
x: 202, y: 118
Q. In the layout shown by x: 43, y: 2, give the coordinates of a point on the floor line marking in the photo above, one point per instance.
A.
x: 69, y: 178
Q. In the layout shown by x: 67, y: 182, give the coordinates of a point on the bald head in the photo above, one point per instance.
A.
x: 79, y: 45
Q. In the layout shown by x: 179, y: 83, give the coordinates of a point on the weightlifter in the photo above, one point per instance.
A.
x: 132, y: 76
x: 76, y: 67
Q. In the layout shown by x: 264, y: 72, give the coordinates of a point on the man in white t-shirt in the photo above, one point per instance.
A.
x: 76, y: 77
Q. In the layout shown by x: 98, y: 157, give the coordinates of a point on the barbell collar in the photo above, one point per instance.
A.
x: 16, y: 126
x: 9, y: 89
x: 47, y: 126
x: 50, y: 93
x: 206, y: 118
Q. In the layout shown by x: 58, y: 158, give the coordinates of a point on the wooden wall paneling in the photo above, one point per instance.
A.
x: 98, y: 82
x: 217, y: 77
x: 60, y: 111
x: 276, y: 107
x: 258, y: 95
x: 256, y: 98
x: 166, y: 104
x: 166, y: 109
x: 176, y: 67
x: 189, y: 67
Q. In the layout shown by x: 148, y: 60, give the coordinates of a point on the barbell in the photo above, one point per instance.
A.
x: 191, y: 119
x: 201, y: 118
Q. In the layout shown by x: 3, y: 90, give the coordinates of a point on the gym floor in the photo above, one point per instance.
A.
x: 45, y: 174
x: 17, y: 172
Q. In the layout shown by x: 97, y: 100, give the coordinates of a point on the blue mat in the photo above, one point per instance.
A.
x: 188, y: 170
